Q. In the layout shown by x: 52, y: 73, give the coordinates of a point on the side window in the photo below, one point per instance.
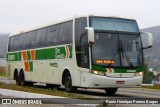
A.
x: 52, y: 35
x: 65, y: 35
x: 23, y: 38
x: 80, y: 24
x: 9, y: 44
x: 84, y: 52
x: 31, y: 40
x: 41, y: 37
x: 15, y: 43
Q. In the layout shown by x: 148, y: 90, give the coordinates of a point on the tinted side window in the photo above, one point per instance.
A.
x: 80, y: 25
x: 31, y: 40
x: 65, y: 35
x: 41, y: 37
x: 23, y: 38
x: 52, y: 35
x: 15, y: 43
x: 9, y: 44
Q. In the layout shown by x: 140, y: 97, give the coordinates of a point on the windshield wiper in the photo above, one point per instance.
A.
x: 124, y: 54
x: 115, y: 53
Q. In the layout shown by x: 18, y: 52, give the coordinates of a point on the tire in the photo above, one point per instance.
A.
x: 22, y: 79
x: 68, y: 83
x: 17, y: 79
x: 52, y: 86
x: 111, y: 91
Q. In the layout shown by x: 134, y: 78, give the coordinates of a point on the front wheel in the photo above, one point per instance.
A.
x: 111, y: 91
x: 68, y: 84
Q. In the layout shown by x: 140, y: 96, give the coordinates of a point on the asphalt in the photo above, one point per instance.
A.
x: 78, y: 102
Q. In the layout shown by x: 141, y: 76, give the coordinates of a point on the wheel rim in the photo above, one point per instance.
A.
x: 68, y: 82
x: 17, y: 79
x: 22, y: 79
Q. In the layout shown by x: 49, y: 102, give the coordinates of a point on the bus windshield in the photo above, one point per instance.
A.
x: 117, y: 50
x: 120, y: 49
x: 114, y: 24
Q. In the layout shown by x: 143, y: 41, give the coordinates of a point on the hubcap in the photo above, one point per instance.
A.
x: 68, y: 82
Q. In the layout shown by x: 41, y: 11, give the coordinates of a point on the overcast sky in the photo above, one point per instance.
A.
x: 17, y: 15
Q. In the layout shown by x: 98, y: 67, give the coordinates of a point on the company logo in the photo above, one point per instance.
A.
x: 53, y: 64
x: 11, y: 57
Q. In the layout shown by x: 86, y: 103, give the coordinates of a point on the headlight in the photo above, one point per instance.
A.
x: 139, y: 73
x: 97, y: 72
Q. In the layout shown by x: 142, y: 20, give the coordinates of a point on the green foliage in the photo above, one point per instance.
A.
x: 147, y: 75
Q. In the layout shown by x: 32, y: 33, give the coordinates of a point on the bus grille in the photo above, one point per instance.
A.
x: 120, y: 75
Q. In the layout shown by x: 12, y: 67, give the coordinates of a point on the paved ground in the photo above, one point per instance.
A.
x: 92, y: 93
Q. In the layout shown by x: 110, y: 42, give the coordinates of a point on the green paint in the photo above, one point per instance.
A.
x: 28, y: 55
x: 60, y: 53
x: 20, y: 56
x: 31, y: 66
x: 13, y: 57
x: 40, y: 54
x: 50, y: 53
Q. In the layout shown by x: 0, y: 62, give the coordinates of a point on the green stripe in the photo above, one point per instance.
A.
x: 117, y: 70
x: 28, y: 55
x: 31, y: 66
x: 50, y: 53
x: 40, y: 54
x: 13, y: 57
x: 20, y: 56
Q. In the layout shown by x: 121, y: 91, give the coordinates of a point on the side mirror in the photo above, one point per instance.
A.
x: 150, y: 39
x: 90, y: 32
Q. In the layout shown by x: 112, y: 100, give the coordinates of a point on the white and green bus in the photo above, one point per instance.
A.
x: 92, y: 51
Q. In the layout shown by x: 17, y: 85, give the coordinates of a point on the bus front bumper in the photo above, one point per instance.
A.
x: 97, y: 81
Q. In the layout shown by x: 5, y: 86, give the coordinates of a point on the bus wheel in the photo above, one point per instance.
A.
x: 68, y: 83
x: 52, y: 86
x: 17, y: 79
x: 22, y: 79
x: 111, y: 91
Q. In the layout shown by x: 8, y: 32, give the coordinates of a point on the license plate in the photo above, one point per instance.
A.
x: 120, y: 82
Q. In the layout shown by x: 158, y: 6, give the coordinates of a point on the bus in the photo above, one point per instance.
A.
x: 89, y: 51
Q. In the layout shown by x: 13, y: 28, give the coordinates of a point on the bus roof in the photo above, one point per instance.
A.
x: 64, y: 20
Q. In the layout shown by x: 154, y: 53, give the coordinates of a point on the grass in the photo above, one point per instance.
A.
x: 2, y: 71
x: 151, y: 87
x: 42, y: 90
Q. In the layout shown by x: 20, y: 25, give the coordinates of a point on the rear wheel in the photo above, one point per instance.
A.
x: 17, y: 79
x: 68, y: 83
x: 22, y: 79
x: 53, y: 86
x: 111, y: 91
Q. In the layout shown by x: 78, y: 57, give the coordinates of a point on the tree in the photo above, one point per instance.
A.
x: 147, y: 75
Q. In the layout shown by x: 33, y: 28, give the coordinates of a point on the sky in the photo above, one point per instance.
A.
x: 18, y: 15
